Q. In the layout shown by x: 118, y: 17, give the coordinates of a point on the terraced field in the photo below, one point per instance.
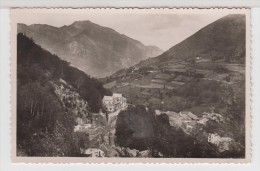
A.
x: 152, y: 85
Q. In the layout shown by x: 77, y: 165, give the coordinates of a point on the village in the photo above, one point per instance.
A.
x: 101, y: 126
x: 102, y: 138
x: 154, y: 85
x: 191, y: 123
x: 171, y: 75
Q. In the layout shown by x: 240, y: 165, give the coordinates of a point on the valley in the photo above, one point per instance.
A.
x: 164, y: 85
x: 193, y: 80
x: 193, y: 95
x: 107, y: 95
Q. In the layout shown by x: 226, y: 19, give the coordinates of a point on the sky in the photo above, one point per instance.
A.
x: 161, y: 30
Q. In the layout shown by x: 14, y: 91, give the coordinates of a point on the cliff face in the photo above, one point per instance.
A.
x: 96, y: 50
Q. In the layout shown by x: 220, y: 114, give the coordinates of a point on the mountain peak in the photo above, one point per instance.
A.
x: 98, y: 51
x: 241, y: 16
x: 82, y: 24
x: 220, y: 39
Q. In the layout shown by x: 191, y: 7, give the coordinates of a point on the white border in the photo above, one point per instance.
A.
x: 129, y: 3
x: 5, y: 145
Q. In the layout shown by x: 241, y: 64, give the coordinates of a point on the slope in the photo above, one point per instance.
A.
x: 50, y: 96
x: 203, y: 76
x: 206, y: 71
x: 96, y: 50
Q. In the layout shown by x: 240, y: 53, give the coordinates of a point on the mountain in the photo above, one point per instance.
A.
x: 51, y: 95
x: 202, y: 77
x: 205, y: 70
x: 96, y: 50
x: 223, y: 40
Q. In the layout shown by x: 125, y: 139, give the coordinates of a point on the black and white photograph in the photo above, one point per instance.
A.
x: 110, y: 84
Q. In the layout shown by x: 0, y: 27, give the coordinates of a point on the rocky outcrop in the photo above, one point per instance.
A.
x: 223, y: 143
x: 71, y: 100
x: 203, y: 128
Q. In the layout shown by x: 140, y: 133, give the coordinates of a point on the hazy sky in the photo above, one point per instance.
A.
x: 161, y: 30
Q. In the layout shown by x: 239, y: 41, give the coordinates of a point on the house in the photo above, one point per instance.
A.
x: 203, y: 121
x: 125, y: 84
x: 188, y: 115
x: 120, y: 101
x: 108, y: 102
x: 163, y: 76
x: 192, y: 116
x: 144, y: 153
x: 117, y: 98
x: 114, y: 102
x: 94, y: 152
x: 79, y: 121
x: 216, y: 139
x: 202, y: 60
x: 177, y: 83
x: 82, y: 127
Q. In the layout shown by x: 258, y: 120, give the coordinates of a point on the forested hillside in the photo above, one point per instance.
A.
x: 45, y: 117
x: 203, y: 75
x: 96, y: 50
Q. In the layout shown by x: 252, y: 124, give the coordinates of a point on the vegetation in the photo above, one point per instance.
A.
x: 157, y: 135
x: 201, y: 73
x: 197, y: 96
x: 38, y: 64
x: 44, y: 126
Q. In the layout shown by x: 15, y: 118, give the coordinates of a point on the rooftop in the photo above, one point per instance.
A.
x: 107, y: 98
x: 117, y: 95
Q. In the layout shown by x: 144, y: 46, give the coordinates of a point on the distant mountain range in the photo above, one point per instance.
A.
x: 223, y: 40
x: 96, y: 50
x: 213, y: 55
x: 204, y: 74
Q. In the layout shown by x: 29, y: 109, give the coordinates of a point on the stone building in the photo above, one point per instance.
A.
x: 114, y: 102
